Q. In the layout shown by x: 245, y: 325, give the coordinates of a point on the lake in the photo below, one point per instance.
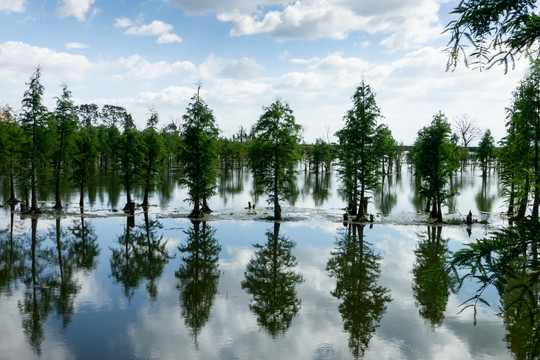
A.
x: 237, y: 286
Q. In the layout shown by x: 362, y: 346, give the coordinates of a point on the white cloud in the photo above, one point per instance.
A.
x: 405, y: 23
x: 76, y: 45
x: 242, y: 69
x: 156, y: 28
x: 9, y: 6
x: 25, y: 57
x: 76, y: 8
x: 142, y: 68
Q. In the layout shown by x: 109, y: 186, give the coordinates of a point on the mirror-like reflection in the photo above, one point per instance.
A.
x: 356, y: 268
x: 198, y: 276
x: 270, y: 278
x: 432, y: 280
x: 141, y: 255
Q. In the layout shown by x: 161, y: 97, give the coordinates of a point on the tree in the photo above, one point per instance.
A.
x: 88, y: 114
x: 10, y: 148
x: 130, y: 152
x: 274, y: 152
x: 485, y: 151
x: 33, y: 118
x: 436, y: 158
x: 83, y: 160
x: 154, y: 154
x: 466, y: 129
x: 199, y: 159
x: 357, y: 154
x: 65, y: 121
x: 497, y: 31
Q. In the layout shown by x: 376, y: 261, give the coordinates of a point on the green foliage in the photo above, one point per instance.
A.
x: 34, y: 118
x: 436, y: 158
x: 497, y: 31
x: 357, y: 153
x: 507, y: 260
x: 274, y: 152
x: 485, y: 153
x: 199, y: 157
x: 154, y: 155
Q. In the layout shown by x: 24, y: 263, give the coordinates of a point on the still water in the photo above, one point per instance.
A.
x: 158, y: 286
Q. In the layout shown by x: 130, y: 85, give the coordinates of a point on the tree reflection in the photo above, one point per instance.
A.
x: 151, y: 253
x: 270, y: 279
x: 84, y: 246
x: 520, y: 298
x: 36, y: 303
x: 508, y: 260
x: 432, y: 280
x: 230, y: 183
x: 11, y: 257
x: 321, y: 188
x: 363, y: 303
x: 385, y: 198
x: 485, y: 201
x: 124, y: 267
x: 141, y: 255
x: 198, y: 276
x: 66, y: 286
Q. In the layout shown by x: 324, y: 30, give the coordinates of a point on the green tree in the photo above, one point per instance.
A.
x: 357, y: 155
x: 199, y: 157
x: 33, y: 121
x: 496, y: 30
x: 155, y: 155
x: 130, y: 152
x: 88, y: 114
x: 436, y: 159
x: 84, y: 158
x: 11, y: 138
x: 485, y: 153
x: 65, y: 121
x: 274, y: 152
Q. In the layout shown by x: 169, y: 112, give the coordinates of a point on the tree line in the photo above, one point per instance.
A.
x: 74, y: 142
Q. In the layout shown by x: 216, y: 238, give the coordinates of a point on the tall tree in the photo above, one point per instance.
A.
x: 33, y: 118
x: 130, y: 152
x: 65, y: 121
x: 496, y: 30
x: 357, y: 155
x: 274, y: 152
x: 154, y: 154
x: 84, y: 158
x: 436, y: 158
x: 88, y: 114
x: 199, y: 158
x: 486, y: 151
x: 10, y: 148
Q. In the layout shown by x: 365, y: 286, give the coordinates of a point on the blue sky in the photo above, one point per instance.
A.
x: 246, y: 53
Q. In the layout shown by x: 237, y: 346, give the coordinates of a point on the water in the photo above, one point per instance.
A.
x: 158, y: 286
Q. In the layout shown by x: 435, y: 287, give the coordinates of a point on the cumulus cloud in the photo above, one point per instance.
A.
x: 76, y: 8
x: 160, y: 29
x: 9, y: 6
x: 142, y: 68
x: 404, y: 23
x: 242, y: 69
x: 76, y: 45
x: 23, y: 56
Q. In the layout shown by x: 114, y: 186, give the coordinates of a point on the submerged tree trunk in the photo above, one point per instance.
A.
x: 58, y: 201
x: 81, y: 199
x: 511, y: 200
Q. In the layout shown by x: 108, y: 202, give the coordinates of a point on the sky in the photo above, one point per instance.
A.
x: 245, y: 54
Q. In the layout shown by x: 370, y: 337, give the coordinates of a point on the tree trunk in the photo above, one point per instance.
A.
x: 523, y: 203
x: 146, y: 188
x: 12, y: 199
x: 439, y: 211
x: 511, y: 200
x: 81, y: 199
x: 58, y: 201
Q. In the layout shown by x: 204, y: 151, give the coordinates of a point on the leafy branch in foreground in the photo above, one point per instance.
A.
x: 498, y: 261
